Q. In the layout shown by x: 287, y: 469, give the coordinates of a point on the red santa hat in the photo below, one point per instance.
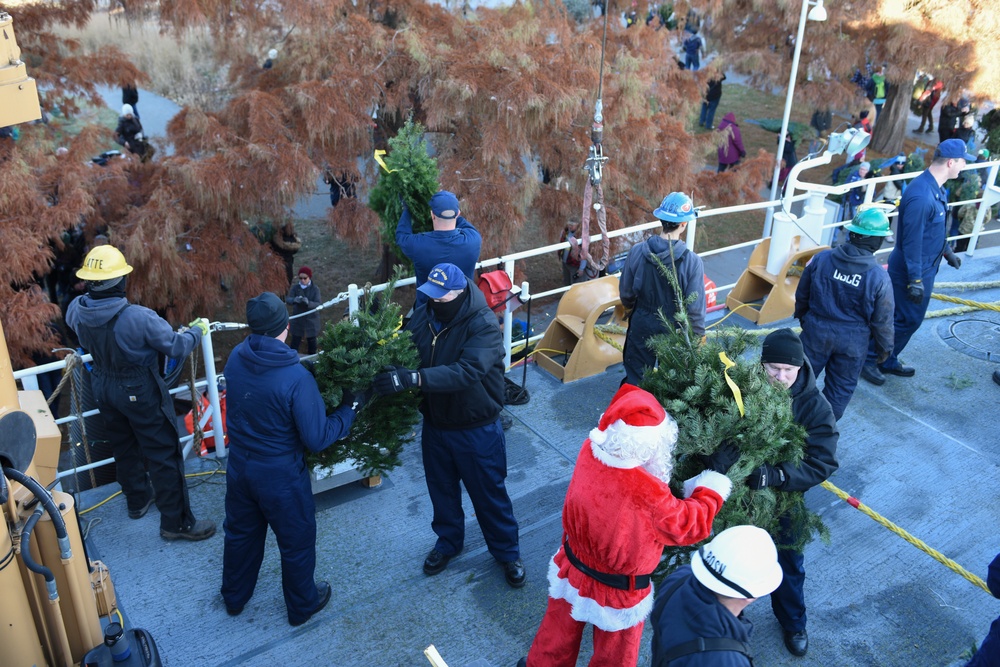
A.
x: 635, y: 431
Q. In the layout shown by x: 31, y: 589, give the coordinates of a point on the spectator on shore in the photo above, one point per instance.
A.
x: 711, y: 102
x: 732, y: 151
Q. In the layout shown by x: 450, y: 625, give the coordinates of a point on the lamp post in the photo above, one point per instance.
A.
x: 817, y: 13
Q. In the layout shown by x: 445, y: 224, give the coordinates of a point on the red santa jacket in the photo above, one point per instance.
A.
x: 617, y: 518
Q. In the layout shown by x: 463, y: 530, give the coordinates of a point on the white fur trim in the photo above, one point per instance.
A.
x: 587, y: 610
x: 710, y: 480
x: 621, y: 445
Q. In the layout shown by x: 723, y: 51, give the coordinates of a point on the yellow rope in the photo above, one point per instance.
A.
x: 948, y: 312
x: 933, y: 553
x: 118, y: 493
x: 967, y: 302
x: 989, y: 284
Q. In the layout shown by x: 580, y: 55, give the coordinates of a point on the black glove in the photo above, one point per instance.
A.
x: 723, y: 458
x: 358, y: 399
x: 395, y: 379
x: 915, y: 292
x: 954, y: 261
x: 766, y: 475
x: 301, y: 299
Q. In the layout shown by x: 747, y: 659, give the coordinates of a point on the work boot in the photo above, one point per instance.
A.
x: 436, y: 562
x: 871, y: 373
x: 202, y: 529
x: 797, y: 643
x: 141, y: 511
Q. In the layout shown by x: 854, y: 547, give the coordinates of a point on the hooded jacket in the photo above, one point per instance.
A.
x: 459, y: 246
x: 139, y: 332
x: 645, y: 289
x: 812, y: 411
x: 461, y: 364
x: 732, y: 151
x: 694, y: 612
x: 274, y: 407
x: 845, y: 288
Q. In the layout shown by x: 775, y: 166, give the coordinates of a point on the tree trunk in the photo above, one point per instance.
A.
x: 890, y: 126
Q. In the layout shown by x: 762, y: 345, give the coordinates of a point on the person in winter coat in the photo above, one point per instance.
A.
x: 453, y: 240
x: 461, y: 383
x: 698, y: 618
x: 135, y: 406
x: 844, y: 298
x: 948, y: 120
x: 130, y: 96
x: 785, y: 364
x: 916, y: 257
x: 731, y: 152
x: 304, y: 298
x: 646, y: 291
x: 712, y: 96
x: 129, y: 132
x: 618, y: 516
x: 694, y: 51
x: 275, y: 413
x: 988, y: 654
x: 853, y: 197
x: 928, y: 100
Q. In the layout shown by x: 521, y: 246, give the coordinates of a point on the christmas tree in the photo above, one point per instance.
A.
x: 691, y: 384
x: 352, y: 355
x: 409, y: 178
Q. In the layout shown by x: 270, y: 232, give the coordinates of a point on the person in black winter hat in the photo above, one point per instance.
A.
x: 785, y: 363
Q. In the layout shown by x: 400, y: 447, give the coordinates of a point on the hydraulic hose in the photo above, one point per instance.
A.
x: 3, y: 489
x: 29, y: 562
x: 45, y: 498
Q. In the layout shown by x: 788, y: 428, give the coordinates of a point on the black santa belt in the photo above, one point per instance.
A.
x: 624, y: 582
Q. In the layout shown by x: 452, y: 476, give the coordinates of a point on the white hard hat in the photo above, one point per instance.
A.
x: 272, y: 54
x: 741, y: 562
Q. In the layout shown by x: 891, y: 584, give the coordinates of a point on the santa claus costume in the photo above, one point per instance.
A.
x: 618, y: 515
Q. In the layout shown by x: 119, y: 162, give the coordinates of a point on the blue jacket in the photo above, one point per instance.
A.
x: 461, y: 364
x: 645, y: 289
x: 691, y: 612
x: 459, y: 246
x: 273, y: 405
x: 921, y: 231
x: 845, y: 288
x: 141, y: 334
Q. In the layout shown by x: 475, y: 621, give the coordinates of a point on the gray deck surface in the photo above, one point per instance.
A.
x: 922, y: 451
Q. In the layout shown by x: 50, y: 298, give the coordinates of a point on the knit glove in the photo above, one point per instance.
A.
x: 764, y: 476
x: 915, y: 292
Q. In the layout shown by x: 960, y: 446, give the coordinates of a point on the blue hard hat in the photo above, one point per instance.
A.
x: 676, y: 208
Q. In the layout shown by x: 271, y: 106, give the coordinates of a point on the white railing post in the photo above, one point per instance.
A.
x: 991, y: 194
x: 352, y: 302
x: 508, y: 318
x: 218, y: 428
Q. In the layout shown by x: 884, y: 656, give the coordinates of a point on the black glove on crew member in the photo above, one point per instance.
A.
x: 764, y: 476
x: 395, y: 379
x: 723, y: 458
x: 954, y: 261
x: 915, y: 291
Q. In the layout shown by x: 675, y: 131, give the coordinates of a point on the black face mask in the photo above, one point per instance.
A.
x: 445, y: 311
x: 868, y: 243
x: 117, y: 291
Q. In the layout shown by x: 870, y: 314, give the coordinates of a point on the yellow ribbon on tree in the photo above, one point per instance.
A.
x: 737, y: 394
x: 378, y: 158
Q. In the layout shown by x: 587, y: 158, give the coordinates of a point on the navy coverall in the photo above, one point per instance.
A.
x: 459, y: 246
x: 813, y: 413
x: 844, y: 298
x: 136, y: 407
x: 693, y: 612
x: 462, y: 387
x: 644, y: 288
x: 920, y: 239
x: 274, y: 412
x: 988, y: 654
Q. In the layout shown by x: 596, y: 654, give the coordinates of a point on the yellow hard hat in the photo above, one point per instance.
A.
x: 104, y: 263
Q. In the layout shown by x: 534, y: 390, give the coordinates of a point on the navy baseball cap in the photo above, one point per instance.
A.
x: 442, y: 279
x: 953, y: 149
x: 444, y: 205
